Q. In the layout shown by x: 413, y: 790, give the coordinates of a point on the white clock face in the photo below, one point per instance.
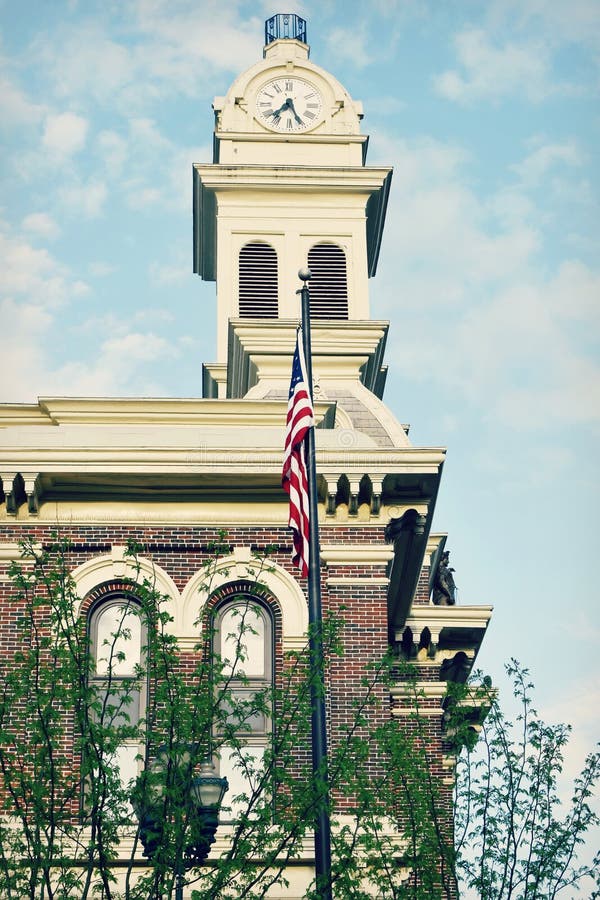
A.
x: 289, y: 104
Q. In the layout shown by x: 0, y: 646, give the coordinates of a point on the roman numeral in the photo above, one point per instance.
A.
x: 308, y: 96
x: 312, y: 105
x: 277, y: 88
x: 309, y: 114
x: 289, y: 85
x: 289, y: 124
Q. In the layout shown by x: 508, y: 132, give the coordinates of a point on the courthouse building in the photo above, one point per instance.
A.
x: 289, y: 187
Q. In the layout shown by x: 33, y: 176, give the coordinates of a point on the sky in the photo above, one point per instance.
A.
x: 489, y: 270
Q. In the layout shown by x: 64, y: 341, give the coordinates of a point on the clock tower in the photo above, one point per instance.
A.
x: 289, y: 187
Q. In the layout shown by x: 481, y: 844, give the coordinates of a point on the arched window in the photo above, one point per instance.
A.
x: 117, y: 685
x: 258, y: 281
x: 329, y: 282
x: 243, y: 647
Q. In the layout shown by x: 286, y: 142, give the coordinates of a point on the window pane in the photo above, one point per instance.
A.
x: 243, y: 769
x: 121, y: 704
x: 118, y: 640
x: 246, y: 710
x: 243, y: 641
x: 126, y: 763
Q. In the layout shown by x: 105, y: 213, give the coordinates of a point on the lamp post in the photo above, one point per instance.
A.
x: 198, y: 796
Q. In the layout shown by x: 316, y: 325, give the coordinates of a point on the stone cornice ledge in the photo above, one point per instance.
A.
x: 426, y: 691
x: 226, y: 176
x: 151, y: 411
x: 355, y: 554
x: 436, y: 618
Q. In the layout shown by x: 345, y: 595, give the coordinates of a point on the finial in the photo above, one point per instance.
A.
x: 285, y: 26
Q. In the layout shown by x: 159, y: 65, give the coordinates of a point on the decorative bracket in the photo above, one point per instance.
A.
x: 18, y: 490
x: 33, y: 491
x: 331, y: 481
x: 11, y: 486
x: 377, y: 487
x: 353, y: 500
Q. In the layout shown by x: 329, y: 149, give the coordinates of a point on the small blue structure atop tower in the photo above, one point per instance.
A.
x: 286, y: 26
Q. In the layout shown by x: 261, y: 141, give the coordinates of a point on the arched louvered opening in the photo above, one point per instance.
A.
x: 258, y: 281
x: 329, y: 283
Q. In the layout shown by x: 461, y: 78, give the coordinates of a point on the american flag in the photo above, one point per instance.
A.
x: 295, y: 476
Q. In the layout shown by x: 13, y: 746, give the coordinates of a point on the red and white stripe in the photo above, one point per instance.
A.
x: 294, y: 477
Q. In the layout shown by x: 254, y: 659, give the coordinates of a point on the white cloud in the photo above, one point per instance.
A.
x: 130, y: 161
x: 122, y: 365
x: 23, y: 328
x: 42, y: 224
x: 574, y: 293
x: 487, y: 71
x: 99, y: 269
x: 170, y: 48
x: 35, y: 287
x: 175, y: 273
x: 450, y: 238
x: 140, y: 197
x: 511, y: 207
x: 85, y: 198
x: 482, y: 314
x: 539, y: 162
x: 16, y: 108
x: 64, y: 134
x: 114, y: 151
x: 575, y: 21
x: 34, y: 274
x: 137, y: 346
x: 578, y: 706
x: 82, y: 59
x: 350, y: 44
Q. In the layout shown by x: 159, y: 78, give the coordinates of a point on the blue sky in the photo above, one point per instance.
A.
x: 489, y: 268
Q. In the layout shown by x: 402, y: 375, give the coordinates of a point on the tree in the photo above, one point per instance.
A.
x: 69, y: 715
x: 514, y: 835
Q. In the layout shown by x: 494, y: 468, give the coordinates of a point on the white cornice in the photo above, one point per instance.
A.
x: 94, y: 452
x: 332, y: 179
x: 423, y: 699
x: 341, y: 351
x: 150, y: 411
x: 355, y: 554
x: 436, y: 618
x: 304, y: 138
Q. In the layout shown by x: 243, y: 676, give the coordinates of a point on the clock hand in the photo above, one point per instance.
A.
x: 291, y: 106
x: 287, y: 104
x: 277, y: 112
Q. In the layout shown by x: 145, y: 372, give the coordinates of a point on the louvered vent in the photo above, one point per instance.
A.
x: 258, y: 282
x: 328, y: 285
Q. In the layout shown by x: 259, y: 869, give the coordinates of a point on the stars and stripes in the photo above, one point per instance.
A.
x: 295, y: 475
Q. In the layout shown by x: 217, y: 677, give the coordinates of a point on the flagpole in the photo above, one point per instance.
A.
x: 315, y: 620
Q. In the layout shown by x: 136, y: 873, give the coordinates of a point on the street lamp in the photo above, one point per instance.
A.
x: 198, y: 798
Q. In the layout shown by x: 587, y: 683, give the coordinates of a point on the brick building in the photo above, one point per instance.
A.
x: 288, y: 187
